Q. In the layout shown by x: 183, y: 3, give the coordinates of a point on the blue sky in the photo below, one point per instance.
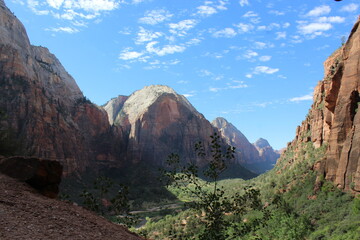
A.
x: 254, y: 62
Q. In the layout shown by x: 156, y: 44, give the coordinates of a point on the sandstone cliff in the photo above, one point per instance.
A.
x: 333, y: 120
x: 257, y: 157
x: 45, y: 110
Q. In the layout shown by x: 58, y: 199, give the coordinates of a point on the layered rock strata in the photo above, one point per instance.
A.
x: 333, y: 120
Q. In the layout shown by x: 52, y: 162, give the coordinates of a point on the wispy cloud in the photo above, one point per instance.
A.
x: 243, y: 3
x: 335, y: 19
x: 162, y: 51
x: 225, y: 33
x: 145, y: 35
x: 154, y: 17
x: 352, y: 7
x: 250, y: 14
x: 280, y: 35
x: 127, y: 54
x: 77, y: 12
x: 263, y: 45
x: 181, y: 28
x: 265, y: 58
x: 244, y: 27
x: 265, y: 70
x: 318, y: 11
x: 63, y: 29
x: 206, y: 10
x: 307, y: 97
x: 249, y: 54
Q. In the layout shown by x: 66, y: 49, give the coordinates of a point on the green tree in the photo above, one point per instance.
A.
x: 217, y: 210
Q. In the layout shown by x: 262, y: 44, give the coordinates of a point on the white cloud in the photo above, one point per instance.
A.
x: 222, y: 5
x: 303, y: 98
x: 55, y: 3
x: 335, y: 19
x: 155, y: 16
x: 130, y: 55
x: 243, y: 27
x: 187, y: 95
x: 250, y: 14
x: 226, y: 33
x: 206, y: 10
x: 265, y: 70
x: 193, y: 41
x: 318, y: 11
x: 167, y: 49
x: 265, y: 58
x: 182, y: 27
x: 248, y: 75
x: 146, y: 36
x: 91, y: 5
x: 269, y: 27
x: 237, y: 84
x: 262, y: 45
x: 280, y: 35
x: 314, y: 28
x: 75, y: 11
x: 63, y: 29
x: 286, y: 25
x: 250, y: 54
x: 243, y: 3
x: 352, y: 7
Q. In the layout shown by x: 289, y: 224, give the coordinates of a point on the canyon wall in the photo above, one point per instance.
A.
x: 333, y: 120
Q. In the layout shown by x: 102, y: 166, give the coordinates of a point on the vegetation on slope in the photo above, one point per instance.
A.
x: 302, y: 205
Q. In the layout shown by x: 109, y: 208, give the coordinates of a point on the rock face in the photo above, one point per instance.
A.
x: 266, y: 152
x: 258, y: 157
x: 44, y: 107
x: 157, y: 121
x: 43, y: 175
x: 333, y: 120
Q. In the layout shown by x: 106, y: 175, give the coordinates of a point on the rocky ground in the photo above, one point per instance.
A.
x: 25, y: 214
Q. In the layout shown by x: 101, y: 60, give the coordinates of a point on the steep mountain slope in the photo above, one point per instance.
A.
x: 25, y: 214
x: 157, y: 122
x: 258, y: 157
x: 44, y: 107
x: 333, y: 120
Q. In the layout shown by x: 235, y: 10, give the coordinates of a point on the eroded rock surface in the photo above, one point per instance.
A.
x: 333, y: 119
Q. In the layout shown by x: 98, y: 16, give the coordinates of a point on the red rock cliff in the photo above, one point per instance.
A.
x: 44, y: 107
x: 333, y: 119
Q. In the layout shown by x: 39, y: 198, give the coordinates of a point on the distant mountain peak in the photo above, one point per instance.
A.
x: 262, y: 143
x: 140, y: 101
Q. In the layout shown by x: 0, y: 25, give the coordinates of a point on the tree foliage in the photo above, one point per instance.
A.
x: 217, y: 212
